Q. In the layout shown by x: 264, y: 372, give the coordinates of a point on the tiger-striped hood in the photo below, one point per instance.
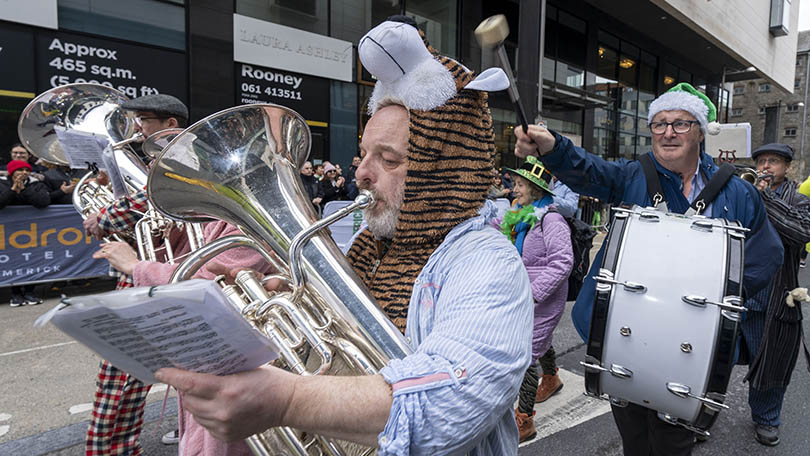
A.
x: 450, y: 154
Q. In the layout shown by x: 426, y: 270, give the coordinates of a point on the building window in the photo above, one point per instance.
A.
x: 761, y: 110
x: 737, y: 112
x: 793, y: 107
x: 797, y: 83
x: 308, y: 15
x: 437, y: 18
x: 790, y: 131
x: 739, y: 90
x: 764, y: 87
x: 155, y: 22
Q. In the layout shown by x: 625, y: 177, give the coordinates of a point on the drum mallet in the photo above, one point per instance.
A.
x: 491, y: 34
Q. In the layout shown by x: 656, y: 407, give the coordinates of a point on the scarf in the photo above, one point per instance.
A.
x: 517, y: 223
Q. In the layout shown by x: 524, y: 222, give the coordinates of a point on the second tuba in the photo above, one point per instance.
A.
x: 241, y: 165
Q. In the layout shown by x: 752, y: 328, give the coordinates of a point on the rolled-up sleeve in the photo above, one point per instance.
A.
x: 465, y: 373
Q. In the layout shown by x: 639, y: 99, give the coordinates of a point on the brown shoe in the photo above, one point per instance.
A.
x: 549, y: 386
x: 525, y: 424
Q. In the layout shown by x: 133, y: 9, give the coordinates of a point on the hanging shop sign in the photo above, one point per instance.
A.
x: 307, y: 95
x: 64, y: 58
x: 265, y: 43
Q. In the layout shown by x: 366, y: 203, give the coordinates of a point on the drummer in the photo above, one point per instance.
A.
x: 678, y: 120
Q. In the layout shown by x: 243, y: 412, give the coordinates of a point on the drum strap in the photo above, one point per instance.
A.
x: 712, y: 189
x: 706, y: 196
x: 654, y: 188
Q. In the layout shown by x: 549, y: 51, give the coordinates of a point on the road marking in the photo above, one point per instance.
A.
x: 81, y: 408
x: 567, y: 408
x: 37, y: 348
x: 4, y: 430
x: 5, y: 416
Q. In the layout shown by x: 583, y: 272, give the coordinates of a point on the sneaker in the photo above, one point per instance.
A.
x: 16, y: 301
x: 549, y: 386
x: 803, y: 263
x: 525, y: 424
x: 767, y: 435
x: 171, y: 438
x: 31, y: 300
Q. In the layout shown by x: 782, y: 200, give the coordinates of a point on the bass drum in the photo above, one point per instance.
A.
x: 666, y: 315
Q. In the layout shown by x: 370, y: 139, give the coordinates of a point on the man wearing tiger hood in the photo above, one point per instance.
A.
x: 449, y: 281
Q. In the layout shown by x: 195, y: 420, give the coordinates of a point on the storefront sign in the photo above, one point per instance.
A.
x: 45, y: 245
x: 272, y: 45
x: 17, y: 60
x: 307, y: 95
x: 41, y: 13
x: 64, y: 58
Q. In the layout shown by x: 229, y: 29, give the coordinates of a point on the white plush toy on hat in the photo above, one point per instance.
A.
x: 408, y: 73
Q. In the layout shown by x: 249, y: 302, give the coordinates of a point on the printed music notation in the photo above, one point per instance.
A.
x: 189, y: 325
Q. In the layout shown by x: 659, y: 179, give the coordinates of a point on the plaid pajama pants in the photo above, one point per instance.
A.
x: 117, y: 410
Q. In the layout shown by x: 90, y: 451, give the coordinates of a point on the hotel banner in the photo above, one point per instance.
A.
x: 43, y: 245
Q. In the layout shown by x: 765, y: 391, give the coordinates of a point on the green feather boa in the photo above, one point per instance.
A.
x: 512, y: 218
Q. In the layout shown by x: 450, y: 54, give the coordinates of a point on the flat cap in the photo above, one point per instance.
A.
x: 158, y: 103
x: 782, y: 150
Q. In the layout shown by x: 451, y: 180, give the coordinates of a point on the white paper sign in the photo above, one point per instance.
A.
x: 83, y: 150
x: 189, y: 325
x: 41, y: 13
x: 111, y: 165
x: 733, y: 142
x: 286, y: 48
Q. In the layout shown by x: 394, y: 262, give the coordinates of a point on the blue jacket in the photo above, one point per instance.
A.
x: 623, y: 182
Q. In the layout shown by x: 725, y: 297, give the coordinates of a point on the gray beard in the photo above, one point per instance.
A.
x: 383, y: 226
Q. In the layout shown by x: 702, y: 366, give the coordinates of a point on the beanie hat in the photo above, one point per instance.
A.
x: 684, y: 97
x: 14, y: 165
x: 451, y: 146
x: 329, y: 167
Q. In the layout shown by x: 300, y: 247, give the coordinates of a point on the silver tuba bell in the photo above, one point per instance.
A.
x: 241, y: 166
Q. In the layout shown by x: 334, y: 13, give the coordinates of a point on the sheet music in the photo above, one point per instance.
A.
x: 111, y: 165
x: 189, y: 325
x: 82, y: 149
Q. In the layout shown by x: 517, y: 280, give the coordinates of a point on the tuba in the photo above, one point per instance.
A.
x: 90, y: 108
x: 241, y: 166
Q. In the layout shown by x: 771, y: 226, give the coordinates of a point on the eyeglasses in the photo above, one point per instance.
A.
x: 770, y: 161
x: 139, y: 120
x: 679, y: 126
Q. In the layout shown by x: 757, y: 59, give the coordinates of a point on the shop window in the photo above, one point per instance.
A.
x: 308, y: 15
x: 351, y: 19
x: 343, y: 142
x: 159, y: 23
x: 437, y: 18
x: 570, y: 58
x: 607, y: 61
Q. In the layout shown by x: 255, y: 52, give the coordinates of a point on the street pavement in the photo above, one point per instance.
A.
x: 47, y: 383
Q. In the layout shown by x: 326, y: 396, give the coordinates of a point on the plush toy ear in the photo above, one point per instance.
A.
x: 713, y: 128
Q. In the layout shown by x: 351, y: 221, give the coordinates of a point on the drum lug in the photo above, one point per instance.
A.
x: 703, y: 225
x: 733, y: 316
x: 616, y: 402
x: 615, y: 369
x: 696, y: 430
x: 684, y: 391
x: 666, y: 417
x: 650, y: 216
x: 632, y: 287
x: 730, y: 303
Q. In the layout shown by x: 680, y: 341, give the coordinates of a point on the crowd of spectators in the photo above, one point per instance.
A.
x: 325, y: 182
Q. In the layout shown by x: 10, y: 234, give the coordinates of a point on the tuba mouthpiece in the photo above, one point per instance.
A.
x: 364, y: 200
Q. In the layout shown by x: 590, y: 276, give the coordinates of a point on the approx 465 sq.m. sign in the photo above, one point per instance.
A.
x: 64, y: 58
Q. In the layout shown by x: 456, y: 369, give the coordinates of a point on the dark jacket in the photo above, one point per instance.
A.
x: 54, y: 178
x: 351, y: 183
x: 623, y: 182
x: 773, y: 363
x: 312, y: 186
x: 34, y: 194
x: 331, y: 192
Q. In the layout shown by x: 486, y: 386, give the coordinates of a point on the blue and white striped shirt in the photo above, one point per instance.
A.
x: 470, y: 322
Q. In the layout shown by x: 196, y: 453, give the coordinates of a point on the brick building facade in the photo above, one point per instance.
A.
x: 776, y: 115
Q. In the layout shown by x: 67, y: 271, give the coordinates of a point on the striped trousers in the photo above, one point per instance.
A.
x: 766, y: 406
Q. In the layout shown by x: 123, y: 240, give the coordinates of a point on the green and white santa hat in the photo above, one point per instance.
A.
x: 684, y: 97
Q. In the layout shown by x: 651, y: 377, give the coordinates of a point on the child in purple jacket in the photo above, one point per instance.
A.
x: 543, y: 239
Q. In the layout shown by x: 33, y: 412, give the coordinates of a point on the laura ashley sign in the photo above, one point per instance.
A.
x: 277, y: 46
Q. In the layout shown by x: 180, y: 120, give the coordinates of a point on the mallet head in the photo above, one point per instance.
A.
x: 492, y: 31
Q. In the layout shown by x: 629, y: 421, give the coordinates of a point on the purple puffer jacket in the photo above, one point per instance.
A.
x: 549, y: 258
